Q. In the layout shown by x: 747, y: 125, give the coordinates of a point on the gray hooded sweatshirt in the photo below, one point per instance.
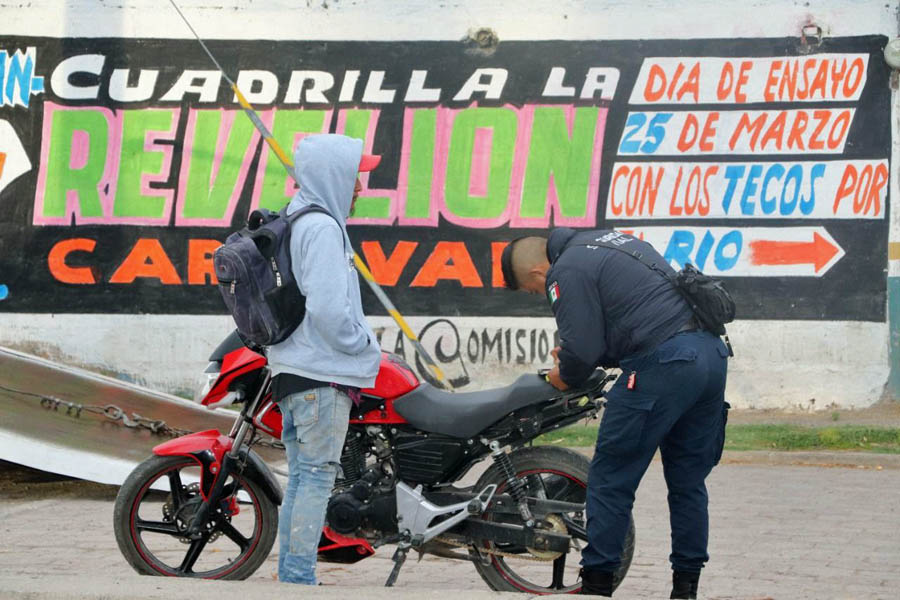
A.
x: 334, y: 343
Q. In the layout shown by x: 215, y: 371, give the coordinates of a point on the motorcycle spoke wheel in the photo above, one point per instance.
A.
x: 154, y: 513
x: 557, y: 576
x: 552, y: 474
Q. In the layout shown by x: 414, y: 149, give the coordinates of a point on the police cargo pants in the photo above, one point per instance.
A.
x: 675, y: 402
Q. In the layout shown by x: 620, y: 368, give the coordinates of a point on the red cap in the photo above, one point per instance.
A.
x: 368, y: 162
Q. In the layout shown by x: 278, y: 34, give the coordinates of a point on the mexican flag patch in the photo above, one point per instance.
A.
x: 553, y: 293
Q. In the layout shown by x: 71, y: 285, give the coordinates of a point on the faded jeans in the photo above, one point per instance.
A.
x: 315, y: 424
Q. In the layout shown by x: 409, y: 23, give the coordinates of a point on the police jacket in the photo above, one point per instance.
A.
x: 607, y: 305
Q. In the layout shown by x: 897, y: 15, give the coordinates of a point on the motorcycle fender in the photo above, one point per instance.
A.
x: 257, y: 470
x: 207, y: 448
x: 191, y: 444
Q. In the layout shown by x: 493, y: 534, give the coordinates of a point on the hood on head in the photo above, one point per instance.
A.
x: 326, y: 166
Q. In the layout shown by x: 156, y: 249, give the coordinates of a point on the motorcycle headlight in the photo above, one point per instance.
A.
x: 207, y: 380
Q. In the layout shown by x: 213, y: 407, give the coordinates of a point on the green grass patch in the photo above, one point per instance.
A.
x: 768, y: 437
x: 797, y: 437
x: 576, y: 435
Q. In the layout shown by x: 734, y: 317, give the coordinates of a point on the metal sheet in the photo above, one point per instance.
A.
x: 89, y: 446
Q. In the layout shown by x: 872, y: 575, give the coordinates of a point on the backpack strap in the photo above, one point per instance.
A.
x: 309, y: 208
x: 299, y: 213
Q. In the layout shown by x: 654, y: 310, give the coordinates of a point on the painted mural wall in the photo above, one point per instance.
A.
x: 125, y: 162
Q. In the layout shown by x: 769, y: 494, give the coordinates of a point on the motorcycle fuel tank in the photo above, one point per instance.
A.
x: 395, y: 378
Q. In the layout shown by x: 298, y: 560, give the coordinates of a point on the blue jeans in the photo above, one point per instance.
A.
x: 677, y: 404
x: 315, y: 425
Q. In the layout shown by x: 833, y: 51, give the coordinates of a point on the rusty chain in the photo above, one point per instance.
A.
x: 115, y: 413
x: 533, y: 555
x: 460, y: 544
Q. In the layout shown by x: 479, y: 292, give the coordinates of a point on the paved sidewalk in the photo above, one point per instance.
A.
x: 777, y: 532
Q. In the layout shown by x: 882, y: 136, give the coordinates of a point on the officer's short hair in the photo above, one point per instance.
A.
x: 511, y: 260
x: 509, y: 276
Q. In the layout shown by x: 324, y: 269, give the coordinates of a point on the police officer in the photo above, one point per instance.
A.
x: 614, y: 311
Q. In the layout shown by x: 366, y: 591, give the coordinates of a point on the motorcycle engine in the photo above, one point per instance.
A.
x: 344, y: 513
x: 363, y: 506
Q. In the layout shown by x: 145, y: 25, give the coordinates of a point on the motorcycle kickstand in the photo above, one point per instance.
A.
x: 479, y: 556
x: 399, y: 558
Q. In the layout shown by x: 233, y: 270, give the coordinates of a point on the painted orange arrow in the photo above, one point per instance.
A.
x: 2, y: 161
x: 769, y: 252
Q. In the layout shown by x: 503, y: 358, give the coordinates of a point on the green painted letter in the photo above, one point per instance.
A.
x: 568, y: 158
x: 205, y: 198
x: 135, y: 162
x: 503, y: 125
x: 285, y: 125
x: 356, y: 125
x: 85, y: 179
x: 421, y: 164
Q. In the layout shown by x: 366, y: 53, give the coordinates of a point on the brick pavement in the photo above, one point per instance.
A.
x: 777, y: 532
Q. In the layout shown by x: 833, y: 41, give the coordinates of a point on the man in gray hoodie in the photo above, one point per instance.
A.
x: 330, y: 356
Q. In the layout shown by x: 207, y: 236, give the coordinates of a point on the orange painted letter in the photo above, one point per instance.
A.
x: 387, y: 271
x: 56, y: 261
x: 200, y: 261
x: 146, y: 259
x: 497, y: 279
x: 449, y: 260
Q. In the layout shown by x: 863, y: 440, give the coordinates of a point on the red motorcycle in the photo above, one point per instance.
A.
x: 206, y: 505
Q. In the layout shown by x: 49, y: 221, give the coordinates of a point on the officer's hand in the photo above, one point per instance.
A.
x: 555, y: 380
x: 555, y: 354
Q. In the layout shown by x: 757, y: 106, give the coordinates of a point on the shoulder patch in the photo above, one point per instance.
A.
x: 553, y: 293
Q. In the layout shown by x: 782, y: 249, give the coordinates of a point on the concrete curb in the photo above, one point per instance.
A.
x: 847, y: 460
x: 857, y: 460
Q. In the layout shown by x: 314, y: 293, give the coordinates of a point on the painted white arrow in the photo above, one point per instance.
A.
x: 13, y: 159
x: 746, y: 251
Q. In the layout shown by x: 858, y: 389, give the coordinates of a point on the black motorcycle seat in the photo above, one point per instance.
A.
x: 462, y: 415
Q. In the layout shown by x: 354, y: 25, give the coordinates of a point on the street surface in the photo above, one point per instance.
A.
x: 777, y: 531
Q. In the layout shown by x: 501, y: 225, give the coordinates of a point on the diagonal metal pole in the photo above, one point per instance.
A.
x: 289, y: 167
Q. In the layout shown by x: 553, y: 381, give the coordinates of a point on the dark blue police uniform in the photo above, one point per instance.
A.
x: 613, y: 311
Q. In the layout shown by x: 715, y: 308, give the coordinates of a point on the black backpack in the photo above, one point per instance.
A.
x: 712, y: 304
x: 255, y: 278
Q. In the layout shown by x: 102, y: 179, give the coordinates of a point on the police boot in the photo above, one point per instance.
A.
x: 596, y: 583
x: 684, y: 584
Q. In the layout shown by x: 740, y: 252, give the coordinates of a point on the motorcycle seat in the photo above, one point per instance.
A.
x: 462, y: 415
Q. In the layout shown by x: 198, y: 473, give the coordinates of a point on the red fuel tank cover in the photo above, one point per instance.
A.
x: 395, y: 378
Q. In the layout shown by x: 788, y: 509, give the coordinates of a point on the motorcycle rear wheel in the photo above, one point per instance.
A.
x: 560, y: 474
x: 149, y: 523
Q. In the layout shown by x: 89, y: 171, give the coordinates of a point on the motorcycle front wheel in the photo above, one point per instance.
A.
x: 156, y: 505
x: 554, y: 474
